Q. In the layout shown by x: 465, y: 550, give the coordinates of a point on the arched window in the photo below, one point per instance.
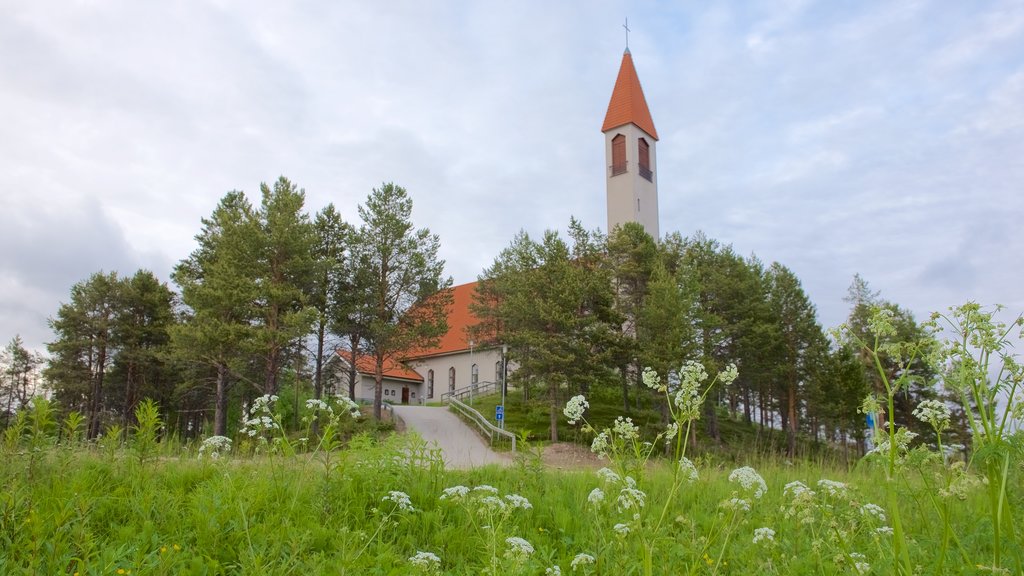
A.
x: 451, y: 378
x: 497, y: 371
x: 618, y: 155
x: 430, y: 383
x: 474, y: 375
x: 645, y: 159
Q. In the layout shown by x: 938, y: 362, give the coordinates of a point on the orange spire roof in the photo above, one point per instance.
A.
x: 627, y: 104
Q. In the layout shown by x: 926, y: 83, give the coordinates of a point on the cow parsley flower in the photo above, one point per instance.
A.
x: 670, y: 431
x: 766, y: 535
x: 347, y: 404
x: 600, y: 445
x: 425, y: 560
x: 581, y: 560
x: 832, y: 487
x: 454, y: 493
x: 750, y: 480
x: 400, y: 499
x: 318, y: 404
x: 797, y: 490
x: 625, y: 429
x: 652, y: 380
x: 621, y: 529
x: 575, y: 408
x: 630, y: 497
x: 608, y: 476
x: 491, y: 503
x: 933, y: 412
x: 485, y: 488
x: 736, y: 504
x: 517, y: 501
x: 214, y: 446
x: 884, y: 531
x: 596, y: 496
x: 688, y: 470
x: 553, y: 571
x: 873, y: 510
x: 728, y: 375
x: 518, y: 548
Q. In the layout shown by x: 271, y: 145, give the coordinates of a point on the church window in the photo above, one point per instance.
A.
x: 497, y: 371
x: 430, y: 383
x: 618, y: 155
x: 644, y: 159
x: 451, y: 378
x: 474, y: 375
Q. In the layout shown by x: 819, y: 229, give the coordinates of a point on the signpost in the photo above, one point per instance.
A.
x: 499, y: 414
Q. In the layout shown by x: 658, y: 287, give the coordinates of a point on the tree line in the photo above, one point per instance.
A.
x: 590, y: 313
x: 269, y: 293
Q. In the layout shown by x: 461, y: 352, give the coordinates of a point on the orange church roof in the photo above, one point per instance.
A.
x: 366, y: 365
x: 628, y: 104
x: 460, y: 319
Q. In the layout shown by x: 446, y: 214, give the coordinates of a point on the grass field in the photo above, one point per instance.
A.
x: 113, y: 509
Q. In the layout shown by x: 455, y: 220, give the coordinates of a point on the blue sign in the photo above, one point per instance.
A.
x: 870, y: 420
x: 499, y: 412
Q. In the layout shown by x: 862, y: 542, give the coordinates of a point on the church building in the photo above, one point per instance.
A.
x: 458, y: 363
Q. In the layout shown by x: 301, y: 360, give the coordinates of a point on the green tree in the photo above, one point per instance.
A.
x: 81, y: 354
x: 408, y: 297
x: 20, y: 374
x: 284, y: 268
x: 801, y: 349
x: 220, y: 289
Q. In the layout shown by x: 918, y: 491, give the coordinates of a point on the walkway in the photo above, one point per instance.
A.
x: 461, y: 446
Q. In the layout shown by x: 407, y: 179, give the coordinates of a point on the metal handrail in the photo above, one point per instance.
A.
x: 485, y: 426
x: 471, y: 391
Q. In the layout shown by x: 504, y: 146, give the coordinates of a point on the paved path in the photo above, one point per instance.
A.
x: 461, y: 446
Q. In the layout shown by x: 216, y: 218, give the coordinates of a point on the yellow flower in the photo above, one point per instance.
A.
x: 163, y: 549
x: 120, y: 571
x: 176, y: 547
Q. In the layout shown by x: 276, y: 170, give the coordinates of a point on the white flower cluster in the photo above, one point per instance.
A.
x: 581, y: 560
x: 737, y: 504
x: 749, y: 480
x: 688, y: 470
x: 401, y: 501
x: 728, y: 375
x: 454, y: 493
x: 687, y: 398
x: 621, y: 529
x: 425, y: 560
x: 625, y: 429
x: 517, y: 501
x: 631, y: 497
x: 933, y: 412
x: 609, y: 476
x: 575, y: 408
x: 652, y: 380
x: 859, y: 564
x: 553, y: 571
x: 600, y: 445
x: 596, y: 496
x: 485, y: 488
x: 319, y: 405
x: 832, y: 488
x: 766, y: 535
x: 902, y: 442
x: 798, y: 491
x: 518, y: 548
x: 348, y: 404
x: 491, y: 504
x: 260, y: 416
x: 874, y: 511
x: 670, y: 431
x: 214, y: 446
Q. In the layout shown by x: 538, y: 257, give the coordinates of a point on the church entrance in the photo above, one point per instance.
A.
x: 405, y: 394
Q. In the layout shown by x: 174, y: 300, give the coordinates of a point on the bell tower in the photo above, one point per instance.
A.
x: 630, y: 140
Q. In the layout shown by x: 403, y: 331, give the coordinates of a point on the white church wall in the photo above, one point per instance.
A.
x: 486, y: 360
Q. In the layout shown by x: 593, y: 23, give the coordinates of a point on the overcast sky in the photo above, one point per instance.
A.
x: 885, y: 138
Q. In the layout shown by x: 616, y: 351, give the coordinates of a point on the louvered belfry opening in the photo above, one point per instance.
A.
x: 644, y: 161
x: 618, y: 155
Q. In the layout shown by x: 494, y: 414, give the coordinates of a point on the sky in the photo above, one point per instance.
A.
x: 882, y: 138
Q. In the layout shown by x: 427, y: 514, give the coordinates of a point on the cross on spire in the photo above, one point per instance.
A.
x: 626, y: 26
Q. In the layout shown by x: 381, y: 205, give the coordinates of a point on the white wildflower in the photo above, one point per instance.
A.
x: 518, y: 549
x: 575, y: 408
x: 517, y: 501
x: 491, y: 503
x: 652, y: 380
x: 581, y: 560
x: 621, y: 529
x: 485, y: 488
x: 553, y: 571
x: 596, y: 496
x: 797, y: 490
x: 729, y: 375
x: 214, y: 446
x: 832, y: 487
x: 425, y: 560
x: 346, y: 403
x: 688, y: 470
x: 625, y: 429
x: 317, y: 404
x: 749, y: 479
x: 933, y: 412
x: 766, y: 535
x: 400, y: 499
x: 671, y: 430
x: 454, y: 493
x: 608, y: 476
x: 600, y: 445
x: 873, y: 510
x: 631, y: 498
x: 884, y: 531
